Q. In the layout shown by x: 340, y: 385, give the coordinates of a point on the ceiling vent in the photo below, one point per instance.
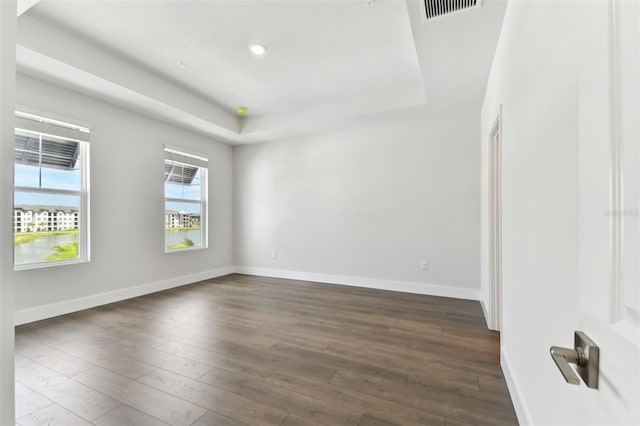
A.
x: 437, y: 8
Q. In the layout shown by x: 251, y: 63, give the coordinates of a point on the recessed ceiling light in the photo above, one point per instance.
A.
x: 258, y: 49
x: 181, y: 65
x: 369, y: 2
x: 241, y: 110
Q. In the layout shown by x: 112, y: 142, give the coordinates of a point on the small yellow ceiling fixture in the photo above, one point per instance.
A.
x: 241, y: 110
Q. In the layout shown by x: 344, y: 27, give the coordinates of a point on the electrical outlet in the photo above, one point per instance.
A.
x: 274, y: 255
x: 424, y: 265
x: 225, y: 253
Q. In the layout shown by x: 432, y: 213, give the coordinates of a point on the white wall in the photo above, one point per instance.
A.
x: 7, y: 95
x: 535, y: 77
x: 365, y: 206
x: 127, y: 209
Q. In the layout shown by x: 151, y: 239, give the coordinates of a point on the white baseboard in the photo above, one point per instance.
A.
x: 485, y: 312
x: 52, y: 310
x: 48, y: 311
x: 401, y: 286
x: 524, y: 418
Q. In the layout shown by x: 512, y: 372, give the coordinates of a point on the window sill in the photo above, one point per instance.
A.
x: 179, y: 250
x: 51, y: 264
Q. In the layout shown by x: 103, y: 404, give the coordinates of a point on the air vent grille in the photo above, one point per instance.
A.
x: 435, y: 8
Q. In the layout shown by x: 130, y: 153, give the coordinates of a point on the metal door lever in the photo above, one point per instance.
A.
x: 562, y: 357
x: 586, y: 357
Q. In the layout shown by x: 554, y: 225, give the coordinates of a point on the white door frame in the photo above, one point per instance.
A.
x: 495, y: 224
x: 8, y: 22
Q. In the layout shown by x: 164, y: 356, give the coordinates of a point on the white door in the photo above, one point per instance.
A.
x: 609, y: 219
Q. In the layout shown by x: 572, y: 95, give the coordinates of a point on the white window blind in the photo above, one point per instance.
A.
x: 48, y: 127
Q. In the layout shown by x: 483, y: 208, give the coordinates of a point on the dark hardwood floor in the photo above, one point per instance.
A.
x: 249, y: 350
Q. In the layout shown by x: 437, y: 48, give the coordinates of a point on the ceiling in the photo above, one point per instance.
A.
x: 328, y: 63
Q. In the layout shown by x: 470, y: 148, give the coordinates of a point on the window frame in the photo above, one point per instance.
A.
x: 44, y: 126
x: 200, y: 161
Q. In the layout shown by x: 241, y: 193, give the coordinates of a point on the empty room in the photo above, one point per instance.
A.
x: 310, y: 212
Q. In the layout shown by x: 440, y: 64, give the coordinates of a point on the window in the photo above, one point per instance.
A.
x: 51, y: 193
x: 185, y: 200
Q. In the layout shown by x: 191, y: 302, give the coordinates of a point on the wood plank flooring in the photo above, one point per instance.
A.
x: 245, y: 350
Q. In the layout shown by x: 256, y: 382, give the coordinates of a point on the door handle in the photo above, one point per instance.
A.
x: 586, y: 357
